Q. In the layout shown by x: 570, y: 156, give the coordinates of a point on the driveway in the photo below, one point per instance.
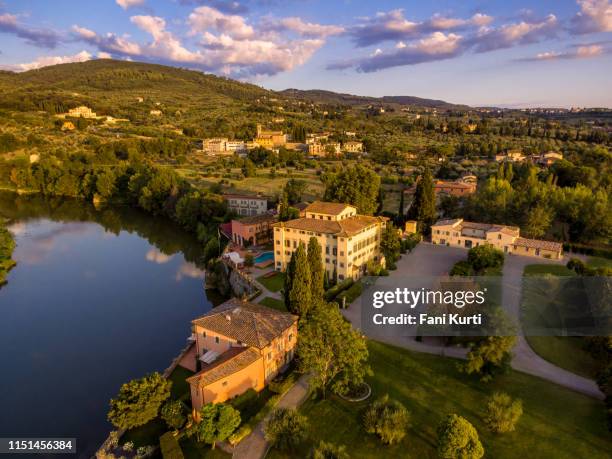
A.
x: 435, y: 260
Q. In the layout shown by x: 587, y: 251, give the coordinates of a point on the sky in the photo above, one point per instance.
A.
x: 504, y: 53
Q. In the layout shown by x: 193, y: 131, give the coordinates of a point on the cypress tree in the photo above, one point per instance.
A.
x: 289, y: 273
x: 400, y: 214
x: 316, y: 268
x: 423, y: 208
x: 300, y: 296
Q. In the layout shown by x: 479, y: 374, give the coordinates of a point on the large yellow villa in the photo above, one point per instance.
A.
x: 240, y: 345
x: 348, y: 240
x: 459, y: 233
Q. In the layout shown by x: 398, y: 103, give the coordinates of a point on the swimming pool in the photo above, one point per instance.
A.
x: 263, y: 257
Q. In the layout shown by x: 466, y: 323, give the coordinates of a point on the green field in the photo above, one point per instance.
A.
x: 274, y: 303
x: 557, y: 423
x: 272, y: 283
x: 564, y: 351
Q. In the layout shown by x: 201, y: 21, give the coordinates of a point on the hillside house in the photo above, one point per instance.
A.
x: 460, y: 233
x: 82, y: 112
x: 239, y: 346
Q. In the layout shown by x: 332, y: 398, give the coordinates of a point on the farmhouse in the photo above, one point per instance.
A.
x: 244, y: 204
x: 459, y: 233
x: 239, y: 346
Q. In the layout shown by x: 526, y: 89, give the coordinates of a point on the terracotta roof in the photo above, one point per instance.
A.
x: 447, y: 222
x: 538, y: 244
x: 254, y: 219
x: 331, y: 208
x: 252, y: 324
x: 343, y: 228
x: 443, y: 184
x: 228, y: 363
x: 243, y: 196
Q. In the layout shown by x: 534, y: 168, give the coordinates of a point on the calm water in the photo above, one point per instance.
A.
x: 96, y: 298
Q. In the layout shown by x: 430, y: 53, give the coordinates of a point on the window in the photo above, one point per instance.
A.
x: 269, y: 356
x: 341, y: 277
x: 217, y: 339
x: 499, y: 236
x: 342, y: 253
x: 203, y: 334
x: 290, y: 336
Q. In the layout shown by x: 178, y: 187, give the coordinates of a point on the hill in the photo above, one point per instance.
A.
x: 334, y: 98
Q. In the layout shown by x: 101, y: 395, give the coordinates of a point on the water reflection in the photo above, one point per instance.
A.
x: 97, y: 297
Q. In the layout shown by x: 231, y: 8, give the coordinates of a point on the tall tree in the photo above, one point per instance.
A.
x: 356, y: 185
x: 390, y: 245
x: 288, y: 283
x: 332, y: 351
x: 300, y: 296
x: 139, y: 401
x: 401, y: 216
x: 286, y: 428
x: 317, y: 273
x: 423, y: 208
x: 217, y: 422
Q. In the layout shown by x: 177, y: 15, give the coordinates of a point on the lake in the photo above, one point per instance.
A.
x: 98, y: 297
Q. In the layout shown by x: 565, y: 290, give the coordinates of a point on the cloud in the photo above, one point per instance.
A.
x: 109, y: 43
x: 44, y: 61
x: 393, y: 26
x: 594, y: 16
x: 577, y: 52
x: 125, y: 4
x: 225, y: 6
x: 508, y: 35
x: 42, y: 38
x: 437, y: 46
x: 190, y: 270
x: 304, y: 29
x: 205, y: 18
x: 158, y: 257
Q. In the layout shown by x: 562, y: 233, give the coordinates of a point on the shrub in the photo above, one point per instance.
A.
x: 336, y: 289
x: 240, y: 434
x: 462, y: 268
x: 170, y: 447
x: 485, y: 256
x: 244, y: 399
x: 351, y: 294
x: 388, y: 419
x: 173, y: 412
x: 502, y: 413
x: 326, y: 450
x: 249, y: 260
x: 282, y: 385
x: 286, y: 429
x: 457, y: 438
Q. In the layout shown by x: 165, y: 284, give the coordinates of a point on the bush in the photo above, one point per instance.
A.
x: 282, y: 385
x: 244, y: 399
x: 286, y: 429
x: 485, y: 256
x: 502, y: 413
x: 457, y: 438
x: 351, y: 294
x: 240, y: 434
x: 336, y: 289
x: 329, y: 451
x: 249, y: 260
x: 462, y: 268
x: 170, y: 447
x: 388, y: 419
x: 173, y: 412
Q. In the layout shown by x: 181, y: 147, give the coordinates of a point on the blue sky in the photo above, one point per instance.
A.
x: 511, y: 53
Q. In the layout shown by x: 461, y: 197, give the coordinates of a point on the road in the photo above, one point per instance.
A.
x: 434, y: 260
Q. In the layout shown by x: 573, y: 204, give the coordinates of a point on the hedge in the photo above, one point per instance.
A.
x: 587, y: 250
x: 336, y: 289
x: 283, y: 385
x: 170, y: 447
x: 351, y: 294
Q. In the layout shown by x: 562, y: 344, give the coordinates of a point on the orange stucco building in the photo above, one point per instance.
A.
x: 239, y: 346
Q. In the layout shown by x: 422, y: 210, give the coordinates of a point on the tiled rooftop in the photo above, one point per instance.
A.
x: 538, y: 244
x: 252, y: 324
x: 344, y: 228
x: 330, y: 208
x: 231, y: 361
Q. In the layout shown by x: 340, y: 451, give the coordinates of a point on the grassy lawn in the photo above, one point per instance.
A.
x: 557, y: 423
x: 599, y: 262
x: 564, y: 351
x: 180, y: 387
x: 274, y: 303
x: 194, y: 450
x: 555, y: 270
x: 273, y: 283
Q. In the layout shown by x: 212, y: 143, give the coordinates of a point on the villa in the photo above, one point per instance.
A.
x: 82, y: 112
x: 254, y: 230
x: 348, y: 240
x: 244, y: 204
x: 239, y: 346
x: 270, y: 139
x: 459, y: 233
